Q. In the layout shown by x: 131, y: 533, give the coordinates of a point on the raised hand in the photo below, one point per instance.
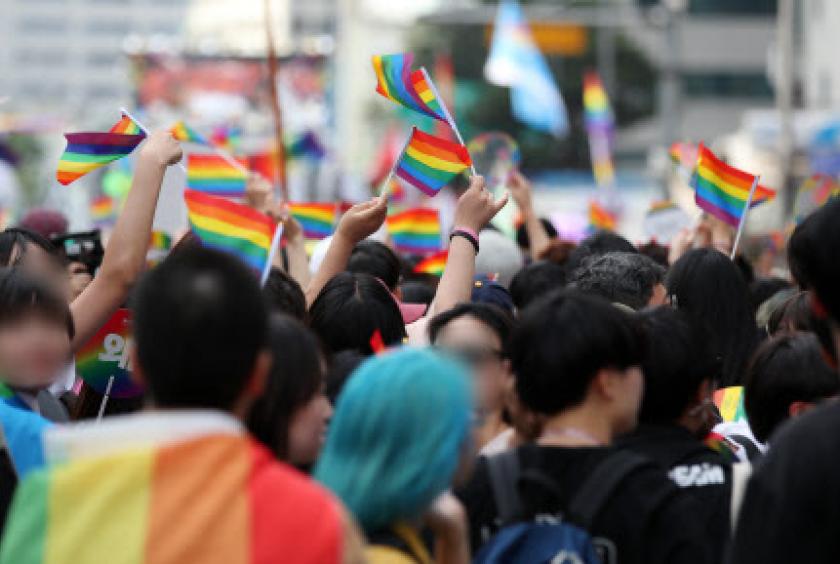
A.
x: 161, y: 148
x: 476, y: 207
x: 362, y: 220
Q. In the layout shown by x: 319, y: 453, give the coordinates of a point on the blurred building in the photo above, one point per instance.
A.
x: 820, y: 45
x: 66, y: 57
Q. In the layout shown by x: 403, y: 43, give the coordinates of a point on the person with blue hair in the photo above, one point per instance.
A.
x: 398, y: 439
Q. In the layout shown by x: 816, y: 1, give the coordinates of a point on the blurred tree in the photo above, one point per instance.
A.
x: 484, y: 107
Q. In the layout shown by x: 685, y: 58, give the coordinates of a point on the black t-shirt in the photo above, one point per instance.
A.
x: 694, y: 467
x: 791, y: 510
x: 647, y: 520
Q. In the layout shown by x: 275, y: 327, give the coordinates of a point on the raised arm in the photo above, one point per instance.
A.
x: 295, y: 251
x: 475, y: 209
x: 520, y: 190
x: 359, y: 222
x: 125, y: 255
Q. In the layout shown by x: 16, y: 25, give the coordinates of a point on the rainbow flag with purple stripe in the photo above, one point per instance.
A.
x: 214, y: 175
x: 317, y: 219
x: 183, y: 132
x: 600, y: 126
x: 398, y: 83
x: 85, y: 152
x: 106, y: 355
x: 429, y: 163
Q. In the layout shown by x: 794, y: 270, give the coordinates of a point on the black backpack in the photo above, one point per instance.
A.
x: 546, y: 542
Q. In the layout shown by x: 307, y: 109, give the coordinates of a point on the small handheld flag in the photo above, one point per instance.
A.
x: 102, y: 210
x: 434, y: 264
x: 182, y: 132
x: 600, y: 219
x: 105, y: 356
x: 429, y: 163
x: 730, y: 403
x: 233, y: 228
x: 316, y: 219
x: 85, y: 152
x: 600, y: 126
x: 415, y: 231
x: 396, y: 82
x: 213, y: 174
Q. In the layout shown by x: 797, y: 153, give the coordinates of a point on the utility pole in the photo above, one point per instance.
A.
x: 784, y: 102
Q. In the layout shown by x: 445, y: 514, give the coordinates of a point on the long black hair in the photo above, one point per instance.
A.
x: 14, y: 242
x: 22, y: 295
x: 296, y: 377
x: 708, y: 287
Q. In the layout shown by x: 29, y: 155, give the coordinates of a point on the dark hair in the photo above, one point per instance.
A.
x: 813, y: 250
x: 350, y: 308
x: 374, y: 258
x: 16, y: 239
x: 342, y: 366
x: 296, y: 377
x: 676, y: 362
x: 495, y: 318
x: 536, y: 280
x: 284, y: 294
x: 762, y: 289
x: 707, y: 286
x: 561, y: 342
x: 524, y: 241
x: 199, y: 324
x: 627, y: 278
x: 22, y: 295
x: 745, y: 268
x: 416, y: 292
x: 658, y: 253
x: 785, y: 369
x: 797, y: 314
x: 558, y: 252
x: 600, y: 243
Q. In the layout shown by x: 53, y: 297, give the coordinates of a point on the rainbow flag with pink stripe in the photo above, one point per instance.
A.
x: 216, y: 499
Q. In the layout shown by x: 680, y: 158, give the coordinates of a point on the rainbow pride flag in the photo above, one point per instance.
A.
x: 106, y: 355
x: 434, y: 264
x: 127, y: 126
x: 151, y: 504
x: 723, y: 190
x: 415, y: 231
x: 182, y: 132
x: 429, y: 163
x: 103, y: 209
x: 212, y: 174
x: 600, y: 218
x: 730, y: 403
x: 232, y: 228
x: 600, y: 126
x: 305, y: 145
x: 396, y: 82
x: 317, y: 219
x: 160, y: 241
x: 85, y: 152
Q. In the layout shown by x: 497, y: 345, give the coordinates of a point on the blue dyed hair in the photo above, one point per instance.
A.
x: 397, y: 434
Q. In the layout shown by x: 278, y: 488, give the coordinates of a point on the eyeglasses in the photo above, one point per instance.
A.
x: 474, y: 356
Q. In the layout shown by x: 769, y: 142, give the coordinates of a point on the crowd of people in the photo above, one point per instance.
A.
x: 539, y: 402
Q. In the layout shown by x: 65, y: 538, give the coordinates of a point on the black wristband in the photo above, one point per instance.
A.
x: 468, y: 236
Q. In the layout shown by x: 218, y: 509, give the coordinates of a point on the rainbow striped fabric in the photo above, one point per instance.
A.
x: 85, y: 152
x: 600, y: 126
x: 434, y: 264
x: 182, y: 132
x: 215, y: 499
x: 429, y: 163
x: 317, y: 219
x: 232, y: 228
x: 415, y: 231
x: 127, y: 126
x: 414, y: 90
x: 103, y: 210
x: 160, y: 241
x: 730, y: 403
x: 600, y: 218
x: 106, y: 355
x: 723, y: 190
x: 212, y: 174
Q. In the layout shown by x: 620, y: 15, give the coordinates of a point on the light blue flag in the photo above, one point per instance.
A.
x: 516, y: 62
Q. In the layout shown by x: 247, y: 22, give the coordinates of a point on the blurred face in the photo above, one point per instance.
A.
x: 33, y: 350
x: 308, y: 430
x: 45, y: 267
x: 480, y: 347
x: 79, y: 279
x: 627, y: 390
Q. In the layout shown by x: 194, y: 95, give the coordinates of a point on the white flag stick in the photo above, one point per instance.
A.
x: 743, y: 219
x: 383, y: 192
x: 229, y: 158
x: 446, y: 113
x: 275, y: 243
x: 107, y: 393
x: 146, y: 131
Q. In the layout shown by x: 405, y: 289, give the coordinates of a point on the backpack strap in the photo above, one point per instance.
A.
x: 601, y: 485
x: 503, y: 470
